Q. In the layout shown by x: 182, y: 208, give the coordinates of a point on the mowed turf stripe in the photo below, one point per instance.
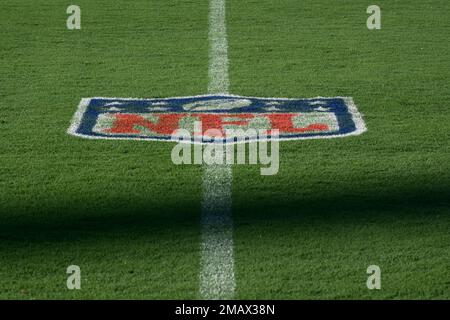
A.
x: 217, y: 262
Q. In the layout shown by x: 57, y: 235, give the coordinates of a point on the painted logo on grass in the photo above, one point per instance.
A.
x: 158, y: 119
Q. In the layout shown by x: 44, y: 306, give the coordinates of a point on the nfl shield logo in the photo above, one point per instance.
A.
x: 158, y: 119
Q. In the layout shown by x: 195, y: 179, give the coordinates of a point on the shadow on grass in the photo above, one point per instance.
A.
x: 371, y: 203
x: 113, y: 218
x: 93, y: 220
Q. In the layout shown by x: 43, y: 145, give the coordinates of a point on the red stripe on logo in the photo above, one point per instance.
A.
x: 167, y: 123
x: 283, y: 122
x: 125, y: 123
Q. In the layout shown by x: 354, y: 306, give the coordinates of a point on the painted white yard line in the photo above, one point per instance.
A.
x: 218, y: 48
x: 217, y: 259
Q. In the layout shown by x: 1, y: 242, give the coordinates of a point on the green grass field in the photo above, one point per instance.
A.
x: 131, y: 219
